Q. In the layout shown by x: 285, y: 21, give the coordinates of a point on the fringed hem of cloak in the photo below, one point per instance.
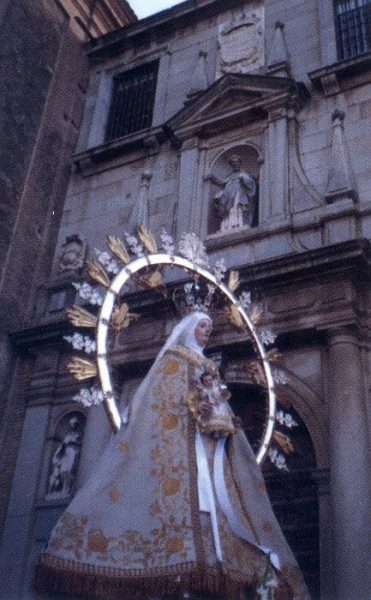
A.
x: 207, y: 580
x: 50, y: 579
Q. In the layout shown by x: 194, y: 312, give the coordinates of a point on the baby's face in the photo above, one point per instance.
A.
x: 207, y: 380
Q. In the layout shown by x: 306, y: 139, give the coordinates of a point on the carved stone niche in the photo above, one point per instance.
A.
x: 73, y: 254
x: 65, y: 456
x: 234, y: 190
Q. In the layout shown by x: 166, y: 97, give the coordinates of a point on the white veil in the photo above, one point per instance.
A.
x: 183, y: 334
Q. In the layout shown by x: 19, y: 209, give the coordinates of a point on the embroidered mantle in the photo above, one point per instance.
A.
x: 136, y: 528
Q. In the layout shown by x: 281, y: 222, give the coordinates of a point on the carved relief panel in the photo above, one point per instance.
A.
x: 241, y: 42
x: 72, y: 254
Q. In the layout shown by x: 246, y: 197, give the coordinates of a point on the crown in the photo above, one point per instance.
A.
x: 194, y: 296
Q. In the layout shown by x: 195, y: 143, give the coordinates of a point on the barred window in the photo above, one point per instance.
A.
x: 133, y: 98
x: 353, y: 27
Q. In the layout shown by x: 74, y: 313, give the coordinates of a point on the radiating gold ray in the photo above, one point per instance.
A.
x: 98, y: 273
x: 118, y: 248
x: 80, y: 317
x: 81, y: 368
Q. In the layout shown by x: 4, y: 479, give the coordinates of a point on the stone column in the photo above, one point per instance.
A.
x: 349, y: 466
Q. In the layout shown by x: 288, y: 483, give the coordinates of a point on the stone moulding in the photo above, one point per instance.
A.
x: 231, y: 100
x: 342, y: 75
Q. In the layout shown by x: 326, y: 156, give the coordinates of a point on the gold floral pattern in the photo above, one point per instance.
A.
x: 174, y: 545
x: 129, y: 548
x: 114, y: 494
x: 170, y: 486
x: 169, y: 421
x: 171, y: 367
x: 97, y: 541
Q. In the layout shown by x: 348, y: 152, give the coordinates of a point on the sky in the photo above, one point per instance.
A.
x: 144, y: 8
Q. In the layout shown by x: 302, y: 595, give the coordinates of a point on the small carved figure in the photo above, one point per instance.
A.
x: 234, y: 203
x: 214, y: 415
x: 64, y: 462
x: 73, y: 254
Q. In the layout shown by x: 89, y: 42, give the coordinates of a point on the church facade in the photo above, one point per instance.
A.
x: 247, y: 123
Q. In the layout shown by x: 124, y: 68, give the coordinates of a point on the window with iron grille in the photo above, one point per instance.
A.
x: 353, y: 27
x: 133, y: 98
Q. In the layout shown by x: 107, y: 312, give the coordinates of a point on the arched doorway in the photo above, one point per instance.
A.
x: 294, y: 495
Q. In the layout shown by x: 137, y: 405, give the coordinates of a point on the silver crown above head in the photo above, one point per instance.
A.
x: 194, y: 296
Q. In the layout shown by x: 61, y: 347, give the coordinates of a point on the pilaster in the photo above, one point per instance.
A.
x: 278, y: 164
x: 100, y: 114
x: 349, y: 465
x: 188, y: 177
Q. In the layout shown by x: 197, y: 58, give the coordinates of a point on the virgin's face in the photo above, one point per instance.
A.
x: 202, y: 332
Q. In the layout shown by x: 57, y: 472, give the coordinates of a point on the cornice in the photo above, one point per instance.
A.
x: 40, y: 335
x: 146, y: 140
x: 229, y: 101
x: 162, y: 23
x: 342, y: 75
x: 352, y: 256
x: 347, y: 259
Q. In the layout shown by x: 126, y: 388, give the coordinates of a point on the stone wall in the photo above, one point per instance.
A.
x: 43, y: 81
x: 29, y: 42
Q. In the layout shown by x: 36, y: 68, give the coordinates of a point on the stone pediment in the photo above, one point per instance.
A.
x: 232, y: 98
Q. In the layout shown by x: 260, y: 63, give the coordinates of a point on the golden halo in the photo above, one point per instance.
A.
x: 103, y: 327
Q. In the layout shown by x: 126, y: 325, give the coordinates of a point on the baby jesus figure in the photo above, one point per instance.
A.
x: 214, y: 414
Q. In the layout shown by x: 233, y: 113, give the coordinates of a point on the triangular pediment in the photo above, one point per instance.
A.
x: 228, y: 99
x: 231, y: 98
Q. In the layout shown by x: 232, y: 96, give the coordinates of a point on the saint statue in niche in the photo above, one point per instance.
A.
x: 234, y: 204
x: 64, y: 462
x: 177, y: 504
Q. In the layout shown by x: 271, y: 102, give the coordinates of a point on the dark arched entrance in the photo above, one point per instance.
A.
x: 293, y: 495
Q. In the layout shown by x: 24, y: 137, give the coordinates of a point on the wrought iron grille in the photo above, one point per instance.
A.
x: 353, y: 27
x: 133, y: 98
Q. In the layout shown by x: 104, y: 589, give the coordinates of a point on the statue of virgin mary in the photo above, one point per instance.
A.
x: 172, y: 510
